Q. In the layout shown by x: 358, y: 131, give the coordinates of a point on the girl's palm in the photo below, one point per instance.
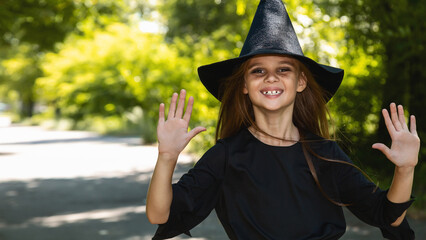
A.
x: 173, y: 135
x: 405, y: 146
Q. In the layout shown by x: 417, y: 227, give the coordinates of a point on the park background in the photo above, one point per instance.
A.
x: 106, y: 65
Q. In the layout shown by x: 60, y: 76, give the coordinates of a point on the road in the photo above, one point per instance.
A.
x: 68, y: 185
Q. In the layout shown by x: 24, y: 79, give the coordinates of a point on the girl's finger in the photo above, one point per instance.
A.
x: 172, y: 108
x: 181, y: 104
x: 188, y: 111
x: 382, y: 148
x: 413, y: 125
x: 394, y: 117
x: 401, y: 117
x: 388, y: 122
x: 195, y: 131
x: 161, y: 113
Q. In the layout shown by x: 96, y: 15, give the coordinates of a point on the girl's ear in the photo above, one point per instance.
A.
x: 245, y: 90
x: 302, y: 82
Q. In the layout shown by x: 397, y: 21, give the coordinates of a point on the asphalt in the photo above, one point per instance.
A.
x: 72, y: 185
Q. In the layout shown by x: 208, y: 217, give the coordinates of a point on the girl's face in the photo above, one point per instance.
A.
x: 272, y: 81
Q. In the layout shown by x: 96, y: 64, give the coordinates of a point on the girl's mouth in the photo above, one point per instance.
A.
x: 272, y: 93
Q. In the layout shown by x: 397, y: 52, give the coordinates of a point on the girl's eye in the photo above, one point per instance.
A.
x: 284, y: 70
x: 257, y: 71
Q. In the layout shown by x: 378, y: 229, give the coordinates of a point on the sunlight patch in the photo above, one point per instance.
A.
x: 105, y: 215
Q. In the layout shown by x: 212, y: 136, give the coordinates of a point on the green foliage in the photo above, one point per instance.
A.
x: 31, y: 28
x: 202, y: 18
x: 39, y: 22
x: 391, y: 35
x: 47, y: 22
x: 116, y: 70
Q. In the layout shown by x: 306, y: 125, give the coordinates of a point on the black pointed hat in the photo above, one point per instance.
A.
x: 271, y: 32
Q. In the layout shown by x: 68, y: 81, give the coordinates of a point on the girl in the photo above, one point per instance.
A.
x: 273, y: 173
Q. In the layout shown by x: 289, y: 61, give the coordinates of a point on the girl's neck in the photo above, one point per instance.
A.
x: 280, y: 126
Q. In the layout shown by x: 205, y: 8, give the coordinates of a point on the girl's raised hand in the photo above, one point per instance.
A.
x: 405, y: 146
x: 173, y: 135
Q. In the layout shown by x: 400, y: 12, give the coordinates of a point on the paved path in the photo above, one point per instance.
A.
x: 70, y: 185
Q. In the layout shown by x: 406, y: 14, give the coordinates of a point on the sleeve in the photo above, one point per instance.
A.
x: 368, y: 202
x: 195, y: 194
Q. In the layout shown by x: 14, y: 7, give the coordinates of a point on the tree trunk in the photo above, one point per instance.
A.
x: 27, y: 108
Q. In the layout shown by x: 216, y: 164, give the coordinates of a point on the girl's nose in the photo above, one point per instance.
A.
x: 271, y: 78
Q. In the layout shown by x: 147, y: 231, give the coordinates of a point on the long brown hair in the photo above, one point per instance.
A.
x: 236, y: 110
x: 310, y: 114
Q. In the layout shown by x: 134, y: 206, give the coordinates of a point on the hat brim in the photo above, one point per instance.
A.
x: 212, y: 75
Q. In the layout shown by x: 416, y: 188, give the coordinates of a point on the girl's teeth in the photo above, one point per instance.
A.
x: 271, y: 92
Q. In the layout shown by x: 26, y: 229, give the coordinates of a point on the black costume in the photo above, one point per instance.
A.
x: 267, y: 192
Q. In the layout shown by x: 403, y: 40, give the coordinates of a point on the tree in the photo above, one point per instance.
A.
x: 392, y: 32
x: 112, y: 72
x: 39, y: 25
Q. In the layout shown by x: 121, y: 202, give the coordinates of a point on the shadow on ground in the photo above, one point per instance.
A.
x: 79, y: 208
x: 99, y: 208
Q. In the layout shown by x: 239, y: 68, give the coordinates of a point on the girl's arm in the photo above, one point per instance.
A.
x: 173, y: 136
x: 403, y: 153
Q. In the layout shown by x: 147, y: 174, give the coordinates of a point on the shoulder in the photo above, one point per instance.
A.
x: 212, y: 162
x: 215, y: 153
x: 326, y: 147
x: 237, y: 141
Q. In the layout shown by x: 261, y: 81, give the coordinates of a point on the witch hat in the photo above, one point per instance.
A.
x: 271, y: 32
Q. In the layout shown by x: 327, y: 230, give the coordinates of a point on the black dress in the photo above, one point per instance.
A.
x: 267, y: 192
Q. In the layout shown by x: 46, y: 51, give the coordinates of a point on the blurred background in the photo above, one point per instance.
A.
x: 103, y: 67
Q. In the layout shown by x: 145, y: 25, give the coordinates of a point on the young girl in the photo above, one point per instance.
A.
x: 273, y: 173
